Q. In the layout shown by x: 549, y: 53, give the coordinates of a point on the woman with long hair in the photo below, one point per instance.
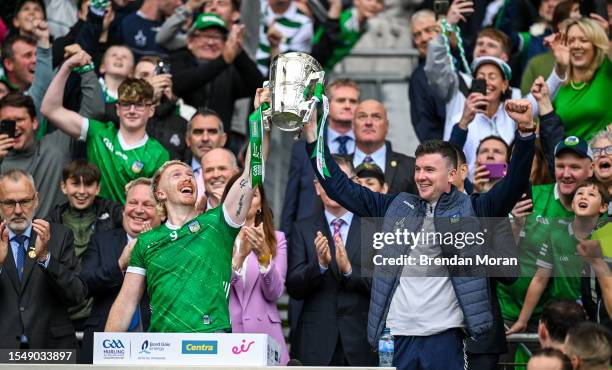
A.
x: 259, y: 267
x: 582, y: 103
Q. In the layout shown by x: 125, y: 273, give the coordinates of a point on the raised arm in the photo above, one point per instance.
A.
x: 52, y: 106
x: 354, y: 197
x: 126, y: 302
x: 500, y: 200
x: 438, y: 65
x: 238, y: 200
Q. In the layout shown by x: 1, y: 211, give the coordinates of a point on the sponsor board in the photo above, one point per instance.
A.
x: 188, y: 348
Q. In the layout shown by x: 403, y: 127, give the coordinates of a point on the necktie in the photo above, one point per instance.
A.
x: 368, y: 159
x: 20, y: 239
x: 342, y: 140
x: 337, y: 224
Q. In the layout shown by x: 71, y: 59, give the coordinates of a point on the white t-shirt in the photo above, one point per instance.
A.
x: 423, y: 306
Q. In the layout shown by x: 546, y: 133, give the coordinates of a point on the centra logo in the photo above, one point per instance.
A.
x: 199, y: 347
x: 108, y: 343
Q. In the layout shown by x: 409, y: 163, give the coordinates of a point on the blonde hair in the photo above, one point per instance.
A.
x: 161, y: 205
x: 597, y: 36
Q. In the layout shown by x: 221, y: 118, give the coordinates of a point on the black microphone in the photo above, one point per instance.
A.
x: 294, y: 362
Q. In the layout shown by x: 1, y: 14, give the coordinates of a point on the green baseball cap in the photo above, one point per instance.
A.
x: 209, y: 20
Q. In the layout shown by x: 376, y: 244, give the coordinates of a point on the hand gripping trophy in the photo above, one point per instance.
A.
x: 296, y: 86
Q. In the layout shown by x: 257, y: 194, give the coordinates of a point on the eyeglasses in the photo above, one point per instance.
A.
x: 137, y: 106
x: 597, y: 152
x: 10, y: 204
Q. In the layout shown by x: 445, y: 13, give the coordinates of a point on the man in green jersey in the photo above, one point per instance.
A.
x: 551, y: 204
x: 557, y: 256
x: 185, y: 263
x: 121, y: 155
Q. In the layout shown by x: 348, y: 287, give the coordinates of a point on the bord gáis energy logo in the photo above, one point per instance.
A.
x: 199, y: 347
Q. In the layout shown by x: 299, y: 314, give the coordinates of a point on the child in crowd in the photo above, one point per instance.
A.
x: 558, y: 255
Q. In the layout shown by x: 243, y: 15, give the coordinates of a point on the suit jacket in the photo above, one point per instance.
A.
x: 399, y: 172
x: 253, y: 305
x: 100, y: 271
x: 38, y: 305
x: 333, y: 305
x: 301, y: 199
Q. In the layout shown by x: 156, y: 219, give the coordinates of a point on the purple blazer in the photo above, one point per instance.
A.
x: 253, y: 306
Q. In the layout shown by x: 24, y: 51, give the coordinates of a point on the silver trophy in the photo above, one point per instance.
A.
x: 290, y: 75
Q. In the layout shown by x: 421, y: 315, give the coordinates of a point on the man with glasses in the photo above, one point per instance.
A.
x: 43, y: 159
x: 121, y: 155
x: 38, y: 282
x: 214, y: 71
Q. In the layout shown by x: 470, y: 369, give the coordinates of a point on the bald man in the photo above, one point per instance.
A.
x: 371, y: 126
x: 218, y: 166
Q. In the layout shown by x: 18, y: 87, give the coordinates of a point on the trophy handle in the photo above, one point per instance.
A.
x: 266, y: 119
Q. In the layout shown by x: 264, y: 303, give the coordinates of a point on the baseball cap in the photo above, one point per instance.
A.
x: 503, y: 66
x: 209, y: 20
x: 370, y: 170
x: 575, y: 145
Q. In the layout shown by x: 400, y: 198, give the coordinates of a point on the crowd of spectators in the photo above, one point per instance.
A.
x: 509, y: 102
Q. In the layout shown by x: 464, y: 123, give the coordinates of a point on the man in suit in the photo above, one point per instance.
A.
x: 371, y: 126
x: 106, y: 259
x: 331, y: 329
x: 38, y: 282
x: 204, y: 132
x: 300, y: 192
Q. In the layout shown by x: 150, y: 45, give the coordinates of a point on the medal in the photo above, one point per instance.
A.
x: 32, y: 253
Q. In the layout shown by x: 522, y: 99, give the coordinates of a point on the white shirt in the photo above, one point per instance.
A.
x: 426, y: 304
x: 344, y: 229
x: 481, y: 127
x: 379, y: 157
x: 199, y: 176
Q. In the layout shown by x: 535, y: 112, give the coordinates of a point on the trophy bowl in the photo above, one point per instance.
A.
x: 291, y: 74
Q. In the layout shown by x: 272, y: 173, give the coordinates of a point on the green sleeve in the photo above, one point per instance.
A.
x: 96, y: 128
x: 529, y: 76
x: 545, y: 258
x: 137, y: 259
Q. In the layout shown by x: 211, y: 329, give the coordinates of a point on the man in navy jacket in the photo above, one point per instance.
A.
x: 427, y: 314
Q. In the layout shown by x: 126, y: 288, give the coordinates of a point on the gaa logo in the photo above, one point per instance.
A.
x: 107, y: 343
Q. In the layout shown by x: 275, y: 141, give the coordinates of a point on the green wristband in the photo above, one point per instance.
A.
x: 83, y: 69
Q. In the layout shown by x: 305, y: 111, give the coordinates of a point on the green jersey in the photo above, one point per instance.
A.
x: 188, y: 272
x: 350, y: 33
x: 559, y: 255
x: 118, y: 162
x: 547, y: 210
x: 584, y: 108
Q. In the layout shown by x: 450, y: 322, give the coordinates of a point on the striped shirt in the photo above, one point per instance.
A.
x: 297, y: 30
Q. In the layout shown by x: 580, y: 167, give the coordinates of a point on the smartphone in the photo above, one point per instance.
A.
x: 162, y: 68
x: 441, y: 7
x: 8, y: 127
x: 479, y: 85
x: 496, y: 170
x: 528, y: 195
